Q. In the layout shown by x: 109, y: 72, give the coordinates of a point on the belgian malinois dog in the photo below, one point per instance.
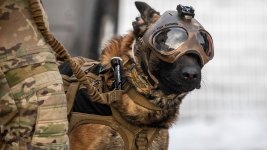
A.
x: 161, y: 61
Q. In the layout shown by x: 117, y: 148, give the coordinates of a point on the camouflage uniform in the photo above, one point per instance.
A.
x: 33, y: 113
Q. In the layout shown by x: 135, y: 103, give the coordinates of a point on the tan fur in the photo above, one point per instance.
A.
x: 154, y: 18
x: 138, y: 115
x: 94, y: 137
x: 118, y: 47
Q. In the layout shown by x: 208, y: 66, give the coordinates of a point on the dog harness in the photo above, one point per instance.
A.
x: 134, y: 137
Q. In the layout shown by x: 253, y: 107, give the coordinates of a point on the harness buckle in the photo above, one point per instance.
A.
x: 113, y: 96
x: 141, y: 141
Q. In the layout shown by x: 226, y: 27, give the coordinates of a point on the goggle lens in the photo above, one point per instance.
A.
x: 169, y: 39
x: 205, y: 41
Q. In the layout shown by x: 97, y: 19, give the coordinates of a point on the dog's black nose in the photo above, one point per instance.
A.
x: 190, y: 73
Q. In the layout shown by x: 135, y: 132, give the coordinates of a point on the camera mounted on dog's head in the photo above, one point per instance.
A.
x: 186, y: 12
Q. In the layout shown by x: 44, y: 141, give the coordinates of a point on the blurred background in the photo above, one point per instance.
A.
x: 229, y: 112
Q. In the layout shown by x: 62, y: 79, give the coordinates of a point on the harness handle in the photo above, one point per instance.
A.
x: 116, y: 65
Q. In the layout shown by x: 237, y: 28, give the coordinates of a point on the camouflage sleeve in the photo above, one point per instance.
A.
x: 33, y: 113
x: 8, y: 108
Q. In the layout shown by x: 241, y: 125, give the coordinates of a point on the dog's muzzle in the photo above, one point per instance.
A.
x: 174, y: 35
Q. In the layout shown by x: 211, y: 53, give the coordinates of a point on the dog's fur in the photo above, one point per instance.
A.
x: 171, y: 81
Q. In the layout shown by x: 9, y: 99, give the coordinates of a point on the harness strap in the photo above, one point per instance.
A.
x: 141, y: 100
x: 78, y: 119
x: 110, y: 97
x: 138, y: 138
x: 71, y: 93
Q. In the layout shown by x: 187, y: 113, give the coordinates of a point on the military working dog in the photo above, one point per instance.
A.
x: 161, y: 61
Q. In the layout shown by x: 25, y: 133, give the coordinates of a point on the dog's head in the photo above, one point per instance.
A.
x: 169, y: 51
x: 171, y: 48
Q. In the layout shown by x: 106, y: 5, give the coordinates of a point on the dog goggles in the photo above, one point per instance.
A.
x: 173, y: 36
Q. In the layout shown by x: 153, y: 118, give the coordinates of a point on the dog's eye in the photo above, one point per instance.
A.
x: 169, y: 39
x: 205, y: 41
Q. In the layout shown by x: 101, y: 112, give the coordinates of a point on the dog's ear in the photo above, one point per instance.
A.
x: 147, y: 13
x: 148, y: 17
